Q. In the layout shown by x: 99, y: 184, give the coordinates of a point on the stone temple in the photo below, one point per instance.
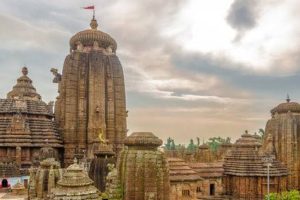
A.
x: 284, y: 129
x: 26, y: 124
x: 91, y: 97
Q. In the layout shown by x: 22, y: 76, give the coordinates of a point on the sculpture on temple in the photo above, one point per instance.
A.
x: 57, y: 76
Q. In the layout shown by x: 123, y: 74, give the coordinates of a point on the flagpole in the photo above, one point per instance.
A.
x: 94, y: 13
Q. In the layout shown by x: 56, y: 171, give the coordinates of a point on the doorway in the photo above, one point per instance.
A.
x: 4, y: 183
x: 212, y: 189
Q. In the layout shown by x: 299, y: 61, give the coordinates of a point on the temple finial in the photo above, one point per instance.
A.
x: 94, y: 23
x: 24, y: 71
x: 288, y: 98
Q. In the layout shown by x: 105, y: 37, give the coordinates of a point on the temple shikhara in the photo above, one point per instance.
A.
x: 78, y: 148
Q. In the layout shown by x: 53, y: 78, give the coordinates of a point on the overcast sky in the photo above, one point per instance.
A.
x: 193, y: 68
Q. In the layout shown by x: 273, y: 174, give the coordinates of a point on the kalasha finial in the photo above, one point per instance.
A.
x: 288, y: 98
x: 24, y: 71
x: 94, y: 23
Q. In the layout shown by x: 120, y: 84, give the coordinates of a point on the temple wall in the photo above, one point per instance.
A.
x: 184, y: 190
x: 92, y: 96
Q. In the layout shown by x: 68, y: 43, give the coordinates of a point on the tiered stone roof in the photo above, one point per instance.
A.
x: 245, y: 159
x: 25, y: 119
x: 208, y: 170
x: 75, y: 184
x: 24, y: 88
x: 180, y: 171
x: 89, y: 36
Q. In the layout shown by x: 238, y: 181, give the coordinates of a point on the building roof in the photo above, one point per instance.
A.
x: 25, y: 120
x: 287, y: 106
x: 245, y: 159
x: 208, y: 170
x: 181, y: 171
x: 89, y: 36
x: 75, y: 184
x: 145, y: 139
x: 24, y: 88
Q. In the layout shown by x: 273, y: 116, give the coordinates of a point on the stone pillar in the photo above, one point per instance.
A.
x: 19, y: 156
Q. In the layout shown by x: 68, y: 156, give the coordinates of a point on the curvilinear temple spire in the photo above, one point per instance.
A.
x: 91, y: 97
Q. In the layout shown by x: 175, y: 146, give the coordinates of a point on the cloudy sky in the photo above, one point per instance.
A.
x: 192, y: 67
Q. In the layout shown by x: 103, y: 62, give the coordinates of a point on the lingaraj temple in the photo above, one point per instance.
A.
x: 78, y: 147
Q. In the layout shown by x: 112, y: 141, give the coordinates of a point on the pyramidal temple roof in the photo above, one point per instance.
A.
x: 25, y: 120
x: 246, y: 159
x: 24, y: 88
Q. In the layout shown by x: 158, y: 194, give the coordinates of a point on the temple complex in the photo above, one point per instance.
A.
x: 91, y: 97
x: 82, y: 151
x: 26, y: 124
x: 284, y: 129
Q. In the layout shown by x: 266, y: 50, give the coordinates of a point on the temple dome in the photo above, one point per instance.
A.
x: 287, y: 107
x: 24, y: 88
x: 146, y: 139
x: 90, y: 36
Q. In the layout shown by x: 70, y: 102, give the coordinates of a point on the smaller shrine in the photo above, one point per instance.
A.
x: 75, y: 184
x: 246, y: 170
x: 143, y: 169
x: 185, y: 182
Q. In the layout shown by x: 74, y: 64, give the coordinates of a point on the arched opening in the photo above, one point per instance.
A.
x: 4, y: 183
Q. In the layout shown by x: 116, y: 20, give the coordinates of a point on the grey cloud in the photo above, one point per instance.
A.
x: 243, y: 15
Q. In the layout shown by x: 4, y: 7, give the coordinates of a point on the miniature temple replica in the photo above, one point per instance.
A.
x: 143, y: 169
x: 91, y: 94
x: 26, y: 122
x: 284, y: 128
x: 75, y: 184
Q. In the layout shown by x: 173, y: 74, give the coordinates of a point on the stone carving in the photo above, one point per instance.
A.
x: 57, y: 76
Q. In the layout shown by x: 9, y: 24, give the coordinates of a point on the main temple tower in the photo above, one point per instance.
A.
x: 91, y: 101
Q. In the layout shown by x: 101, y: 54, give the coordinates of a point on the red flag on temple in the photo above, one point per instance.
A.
x: 89, y: 7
